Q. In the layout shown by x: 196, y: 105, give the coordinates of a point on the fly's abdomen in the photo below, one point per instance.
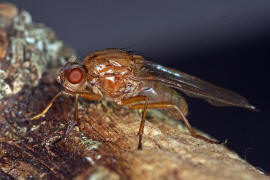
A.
x: 158, y: 93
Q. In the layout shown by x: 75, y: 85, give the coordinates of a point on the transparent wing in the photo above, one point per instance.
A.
x: 190, y: 85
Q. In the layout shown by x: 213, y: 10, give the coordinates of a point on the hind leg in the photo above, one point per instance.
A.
x: 164, y: 105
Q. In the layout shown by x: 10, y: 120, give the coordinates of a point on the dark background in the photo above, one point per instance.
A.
x: 224, y: 42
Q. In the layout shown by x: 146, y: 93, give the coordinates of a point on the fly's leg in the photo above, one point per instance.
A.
x: 142, y: 123
x: 89, y: 96
x: 84, y: 95
x: 73, y: 122
x: 164, y: 105
x: 75, y: 117
x: 47, y: 107
x: 144, y: 106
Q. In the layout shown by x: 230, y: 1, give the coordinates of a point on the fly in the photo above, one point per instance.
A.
x: 130, y: 80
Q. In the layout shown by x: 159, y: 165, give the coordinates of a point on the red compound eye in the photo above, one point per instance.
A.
x: 75, y: 76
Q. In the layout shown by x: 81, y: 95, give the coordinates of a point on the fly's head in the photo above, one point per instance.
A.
x: 72, y: 76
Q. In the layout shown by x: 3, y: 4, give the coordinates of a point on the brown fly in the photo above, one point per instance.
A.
x: 128, y: 79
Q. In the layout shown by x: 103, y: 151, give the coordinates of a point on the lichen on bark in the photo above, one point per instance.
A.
x: 27, y: 50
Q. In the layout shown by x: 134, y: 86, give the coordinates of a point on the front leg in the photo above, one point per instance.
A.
x: 72, y: 123
x: 85, y: 95
x: 75, y: 117
x: 47, y: 107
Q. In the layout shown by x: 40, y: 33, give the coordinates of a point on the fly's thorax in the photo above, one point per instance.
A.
x: 73, y: 77
x: 111, y: 71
